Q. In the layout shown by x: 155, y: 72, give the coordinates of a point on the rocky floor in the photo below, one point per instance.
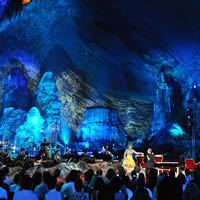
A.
x: 66, y: 167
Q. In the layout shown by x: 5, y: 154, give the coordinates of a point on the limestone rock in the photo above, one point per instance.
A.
x: 47, y: 99
x: 12, y: 118
x: 101, y: 123
x: 30, y: 133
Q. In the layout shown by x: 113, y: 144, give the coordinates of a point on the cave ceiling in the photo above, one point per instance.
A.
x: 117, y: 47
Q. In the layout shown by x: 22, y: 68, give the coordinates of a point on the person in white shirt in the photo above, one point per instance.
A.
x: 25, y: 192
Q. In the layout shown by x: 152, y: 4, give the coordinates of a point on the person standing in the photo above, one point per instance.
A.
x: 149, y: 158
x: 129, y: 162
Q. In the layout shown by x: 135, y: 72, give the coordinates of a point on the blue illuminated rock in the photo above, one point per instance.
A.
x: 49, y: 104
x: 31, y: 132
x: 101, y: 123
x: 12, y: 118
x: 172, y: 139
x: 16, y: 92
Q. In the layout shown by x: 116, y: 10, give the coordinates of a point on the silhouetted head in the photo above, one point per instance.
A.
x: 88, y: 175
x: 26, y: 182
x: 99, y: 172
x: 78, y: 185
x: 110, y: 173
x: 141, y: 180
x: 37, y: 179
x: 72, y: 176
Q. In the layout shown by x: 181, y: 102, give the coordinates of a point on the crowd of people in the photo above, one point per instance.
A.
x: 94, y: 185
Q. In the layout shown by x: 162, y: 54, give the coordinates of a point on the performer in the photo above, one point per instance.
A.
x: 149, y: 158
x: 7, y: 159
x: 107, y: 156
x: 44, y: 147
x: 44, y: 144
x: 129, y: 162
x: 22, y: 155
x: 41, y: 158
x: 57, y: 157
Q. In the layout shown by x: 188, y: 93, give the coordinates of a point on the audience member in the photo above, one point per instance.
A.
x: 3, y: 192
x: 68, y: 189
x: 25, y: 192
x: 79, y: 194
x: 54, y: 191
x: 42, y: 189
x: 192, y: 190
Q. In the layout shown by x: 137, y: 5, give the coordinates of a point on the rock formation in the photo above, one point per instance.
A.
x: 100, y: 123
x: 30, y: 133
x: 11, y: 119
x: 49, y: 104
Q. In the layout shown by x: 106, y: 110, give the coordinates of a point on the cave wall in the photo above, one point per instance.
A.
x: 63, y: 99
x: 75, y: 96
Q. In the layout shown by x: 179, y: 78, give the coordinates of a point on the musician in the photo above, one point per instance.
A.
x: 44, y: 147
x: 1, y: 155
x: 129, y: 162
x: 22, y: 155
x: 67, y: 154
x: 42, y: 157
x: 21, y: 158
x: 149, y: 158
x: 44, y: 144
x: 57, y: 157
x: 107, y: 156
x: 7, y: 159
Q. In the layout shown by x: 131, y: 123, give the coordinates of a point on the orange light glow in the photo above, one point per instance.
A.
x: 26, y: 1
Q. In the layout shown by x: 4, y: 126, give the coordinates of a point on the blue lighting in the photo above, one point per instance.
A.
x: 101, y: 123
x: 34, y: 120
x: 175, y: 130
x: 31, y: 132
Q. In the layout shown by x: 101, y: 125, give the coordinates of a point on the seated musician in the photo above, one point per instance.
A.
x: 149, y: 159
x: 57, y: 157
x: 67, y: 154
x: 1, y: 155
x: 6, y: 158
x: 44, y: 147
x: 42, y: 157
x: 107, y: 156
x: 22, y: 155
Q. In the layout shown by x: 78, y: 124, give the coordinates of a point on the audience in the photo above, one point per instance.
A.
x: 113, y: 185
